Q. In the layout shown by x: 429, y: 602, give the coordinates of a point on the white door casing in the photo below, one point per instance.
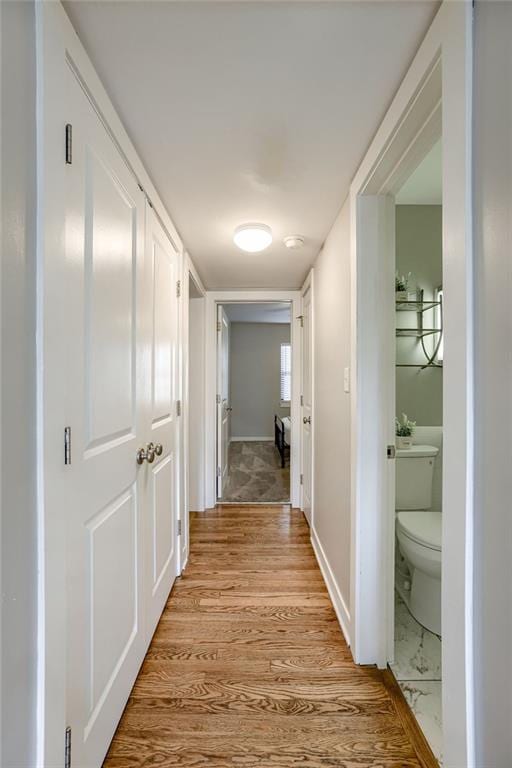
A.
x: 307, y: 401
x: 104, y: 339
x: 161, y: 491
x: 223, y: 407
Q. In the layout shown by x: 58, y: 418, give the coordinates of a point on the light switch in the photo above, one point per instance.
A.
x: 346, y: 379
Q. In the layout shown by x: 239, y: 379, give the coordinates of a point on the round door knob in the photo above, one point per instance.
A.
x: 150, y: 456
x: 141, y: 456
x: 159, y: 449
x: 228, y: 408
x: 306, y: 420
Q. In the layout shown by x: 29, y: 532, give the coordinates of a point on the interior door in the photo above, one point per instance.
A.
x: 161, y: 478
x: 307, y: 402
x: 223, y: 407
x: 105, y: 371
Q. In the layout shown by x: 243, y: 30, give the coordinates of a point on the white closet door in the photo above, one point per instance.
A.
x: 105, y: 373
x: 161, y: 491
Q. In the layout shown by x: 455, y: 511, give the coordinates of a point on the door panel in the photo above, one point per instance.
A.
x: 163, y: 488
x: 109, y: 294
x: 307, y: 400
x: 103, y: 336
x: 111, y: 640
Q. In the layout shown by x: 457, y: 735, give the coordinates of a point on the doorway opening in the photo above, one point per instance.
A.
x: 254, y: 394
x: 418, y: 384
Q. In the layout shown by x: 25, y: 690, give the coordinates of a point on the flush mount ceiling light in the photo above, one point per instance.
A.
x: 294, y: 242
x: 252, y: 237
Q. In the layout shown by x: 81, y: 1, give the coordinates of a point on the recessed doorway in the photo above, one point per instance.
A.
x: 254, y: 381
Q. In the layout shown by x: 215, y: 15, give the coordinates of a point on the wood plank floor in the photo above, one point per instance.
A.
x: 248, y: 666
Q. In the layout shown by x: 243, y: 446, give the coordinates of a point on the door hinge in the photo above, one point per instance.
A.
x: 178, y: 407
x: 179, y: 527
x: 67, y: 748
x: 219, y: 326
x: 302, y: 479
x: 178, y: 289
x: 218, y: 471
x: 300, y: 318
x: 67, y: 445
x: 302, y: 399
x: 218, y: 399
x: 69, y: 144
x: 391, y: 451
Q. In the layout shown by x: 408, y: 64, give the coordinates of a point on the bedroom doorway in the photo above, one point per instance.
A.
x: 254, y: 385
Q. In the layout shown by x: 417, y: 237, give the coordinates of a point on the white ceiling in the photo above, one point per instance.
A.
x: 425, y: 185
x: 271, y: 312
x: 251, y: 111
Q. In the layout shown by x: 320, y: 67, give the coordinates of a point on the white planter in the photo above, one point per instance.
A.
x: 404, y: 443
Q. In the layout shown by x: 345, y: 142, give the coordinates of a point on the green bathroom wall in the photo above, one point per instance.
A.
x: 419, y: 393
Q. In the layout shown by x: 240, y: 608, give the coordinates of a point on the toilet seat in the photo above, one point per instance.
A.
x: 421, y: 526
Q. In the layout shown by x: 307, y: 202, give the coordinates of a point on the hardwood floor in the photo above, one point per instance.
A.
x: 248, y: 666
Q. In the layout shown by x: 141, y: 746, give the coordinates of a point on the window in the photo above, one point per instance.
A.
x: 286, y: 374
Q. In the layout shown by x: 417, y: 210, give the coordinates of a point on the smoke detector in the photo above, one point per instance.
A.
x: 294, y: 242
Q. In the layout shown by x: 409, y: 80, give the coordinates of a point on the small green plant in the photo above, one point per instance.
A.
x: 404, y: 427
x: 402, y: 282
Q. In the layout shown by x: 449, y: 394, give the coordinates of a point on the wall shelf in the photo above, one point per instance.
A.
x: 419, y: 306
x: 403, y: 305
x: 418, y: 333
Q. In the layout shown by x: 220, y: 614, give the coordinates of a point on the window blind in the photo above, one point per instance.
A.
x: 286, y: 373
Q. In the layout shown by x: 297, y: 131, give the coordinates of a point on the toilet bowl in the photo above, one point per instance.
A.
x: 419, y: 538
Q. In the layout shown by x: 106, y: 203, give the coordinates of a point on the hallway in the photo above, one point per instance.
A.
x: 248, y: 665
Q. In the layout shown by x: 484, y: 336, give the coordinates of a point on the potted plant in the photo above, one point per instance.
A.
x: 403, y: 286
x: 404, y: 429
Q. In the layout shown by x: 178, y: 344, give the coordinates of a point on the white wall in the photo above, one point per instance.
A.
x: 493, y: 383
x: 196, y: 378
x: 18, y: 471
x: 331, y: 502
x: 254, y: 373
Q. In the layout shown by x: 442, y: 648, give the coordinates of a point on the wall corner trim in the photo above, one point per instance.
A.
x: 338, y: 602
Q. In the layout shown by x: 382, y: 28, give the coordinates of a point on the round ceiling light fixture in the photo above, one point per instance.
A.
x: 294, y: 242
x: 252, y: 237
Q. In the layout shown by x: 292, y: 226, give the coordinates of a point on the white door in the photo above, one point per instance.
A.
x: 307, y: 401
x: 223, y: 407
x: 160, y: 476
x: 105, y: 373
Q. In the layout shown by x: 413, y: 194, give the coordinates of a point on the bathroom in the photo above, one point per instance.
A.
x: 419, y: 445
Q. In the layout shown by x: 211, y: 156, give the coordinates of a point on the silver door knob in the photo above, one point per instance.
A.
x: 228, y: 408
x: 306, y: 420
x: 145, y: 455
x: 159, y: 449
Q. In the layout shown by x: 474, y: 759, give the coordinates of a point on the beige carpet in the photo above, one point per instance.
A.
x: 255, y: 473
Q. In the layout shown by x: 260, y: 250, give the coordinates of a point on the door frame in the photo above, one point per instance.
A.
x: 58, y: 48
x: 309, y: 284
x: 223, y: 403
x: 213, y: 298
x: 190, y: 273
x: 442, y: 67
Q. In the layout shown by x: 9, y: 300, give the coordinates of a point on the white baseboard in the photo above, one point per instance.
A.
x: 338, y: 602
x: 251, y: 439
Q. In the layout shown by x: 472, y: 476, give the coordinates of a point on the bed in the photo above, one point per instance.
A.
x: 282, y: 433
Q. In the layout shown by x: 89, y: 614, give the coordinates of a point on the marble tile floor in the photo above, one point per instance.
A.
x: 417, y: 668
x: 255, y: 474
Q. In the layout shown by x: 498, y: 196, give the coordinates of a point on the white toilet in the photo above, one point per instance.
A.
x: 418, y: 529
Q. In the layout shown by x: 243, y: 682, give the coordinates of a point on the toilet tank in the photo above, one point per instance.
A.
x: 414, y: 475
